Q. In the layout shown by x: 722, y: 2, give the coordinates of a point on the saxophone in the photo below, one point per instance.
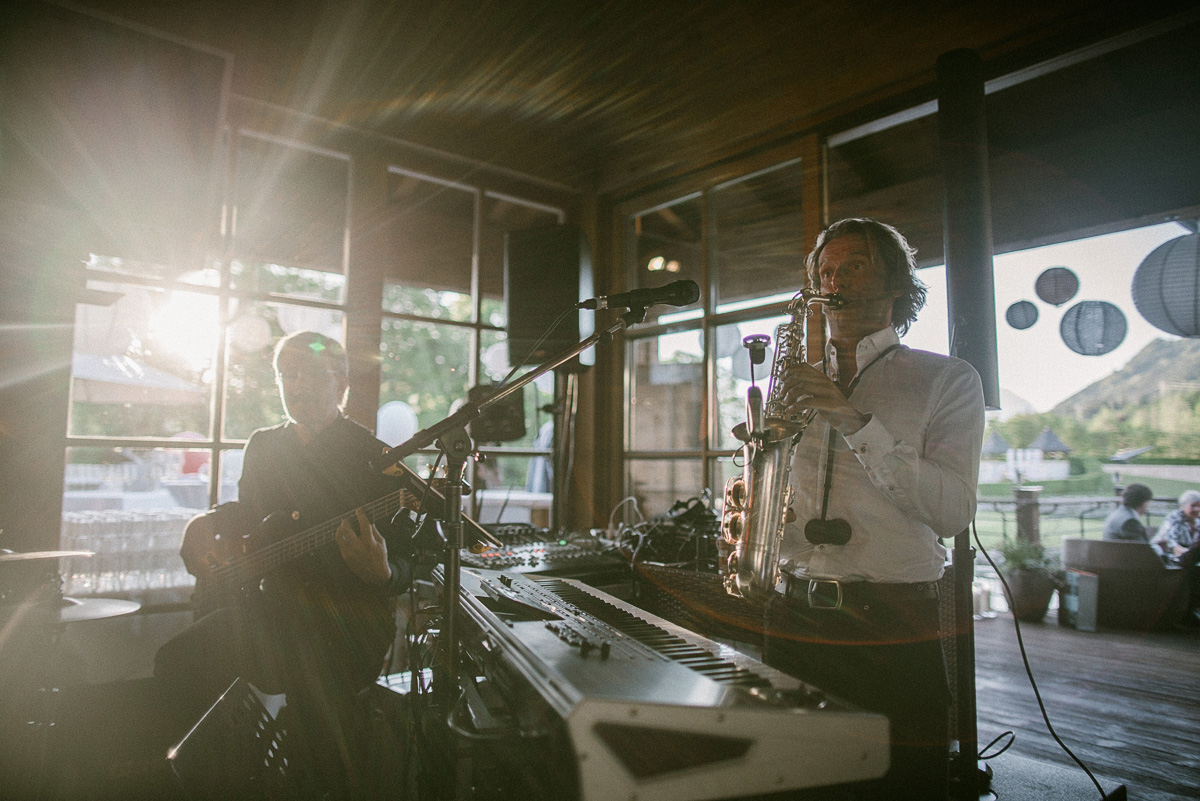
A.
x: 758, y: 502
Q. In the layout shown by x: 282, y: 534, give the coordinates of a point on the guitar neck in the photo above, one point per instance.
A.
x: 267, y: 558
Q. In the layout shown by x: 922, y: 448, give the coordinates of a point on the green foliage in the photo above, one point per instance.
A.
x: 1166, y: 425
x: 135, y: 419
x: 252, y: 400
x: 1152, y: 401
x: 424, y: 365
x: 426, y: 302
x: 1020, y: 554
x: 1161, y: 365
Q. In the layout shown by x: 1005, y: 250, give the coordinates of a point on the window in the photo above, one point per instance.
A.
x: 443, y: 333
x: 170, y: 379
x: 686, y: 370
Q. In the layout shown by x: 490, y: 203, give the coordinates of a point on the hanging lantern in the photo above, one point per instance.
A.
x: 1021, y: 315
x: 1056, y: 285
x: 1166, y: 286
x: 1093, y: 327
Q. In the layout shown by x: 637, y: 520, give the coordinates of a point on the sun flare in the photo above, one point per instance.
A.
x: 186, y: 326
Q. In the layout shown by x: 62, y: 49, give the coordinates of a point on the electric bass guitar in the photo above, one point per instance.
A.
x: 227, y: 556
x: 226, y: 559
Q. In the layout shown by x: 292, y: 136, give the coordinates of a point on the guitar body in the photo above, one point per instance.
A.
x: 214, y: 541
x: 213, y: 538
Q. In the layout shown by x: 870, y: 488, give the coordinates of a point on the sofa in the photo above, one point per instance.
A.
x: 1137, y: 590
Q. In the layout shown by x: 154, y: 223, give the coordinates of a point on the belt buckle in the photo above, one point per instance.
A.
x: 817, y: 601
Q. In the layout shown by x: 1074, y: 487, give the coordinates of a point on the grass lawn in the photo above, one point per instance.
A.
x: 1163, y: 487
x: 994, y: 526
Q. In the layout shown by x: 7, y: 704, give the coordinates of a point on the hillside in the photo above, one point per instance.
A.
x: 1174, y: 361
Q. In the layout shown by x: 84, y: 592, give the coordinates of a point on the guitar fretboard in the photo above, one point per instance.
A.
x: 263, y: 560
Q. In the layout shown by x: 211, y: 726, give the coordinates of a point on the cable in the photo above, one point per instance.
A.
x: 507, y: 494
x: 1029, y: 670
x: 429, y: 484
x: 984, y: 755
x: 453, y: 725
x: 516, y: 365
x: 613, y: 514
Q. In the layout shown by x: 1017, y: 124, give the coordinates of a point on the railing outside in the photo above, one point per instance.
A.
x: 1061, y: 516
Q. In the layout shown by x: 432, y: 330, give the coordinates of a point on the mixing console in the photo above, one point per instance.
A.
x: 529, y: 549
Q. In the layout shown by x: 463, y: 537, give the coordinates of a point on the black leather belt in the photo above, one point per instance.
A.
x: 832, y: 594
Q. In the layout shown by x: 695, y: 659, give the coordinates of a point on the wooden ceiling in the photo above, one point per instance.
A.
x: 609, y: 95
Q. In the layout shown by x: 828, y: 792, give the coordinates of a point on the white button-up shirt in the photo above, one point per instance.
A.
x: 906, y: 479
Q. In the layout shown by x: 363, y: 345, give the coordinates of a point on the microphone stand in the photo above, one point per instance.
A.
x: 451, y: 437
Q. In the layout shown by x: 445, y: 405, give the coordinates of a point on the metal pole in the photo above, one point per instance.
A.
x: 967, y: 217
x: 967, y: 238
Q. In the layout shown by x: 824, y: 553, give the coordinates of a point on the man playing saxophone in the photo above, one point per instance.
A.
x: 887, y: 469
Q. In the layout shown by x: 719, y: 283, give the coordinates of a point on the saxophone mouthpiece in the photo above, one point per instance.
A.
x: 806, y: 297
x: 836, y: 301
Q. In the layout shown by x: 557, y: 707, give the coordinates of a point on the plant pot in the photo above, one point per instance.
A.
x: 1031, y: 591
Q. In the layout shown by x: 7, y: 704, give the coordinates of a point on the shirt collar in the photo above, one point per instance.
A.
x: 869, y: 347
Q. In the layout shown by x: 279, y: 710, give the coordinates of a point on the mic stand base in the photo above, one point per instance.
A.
x: 967, y: 781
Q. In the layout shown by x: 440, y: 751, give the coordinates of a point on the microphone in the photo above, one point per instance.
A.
x: 676, y: 293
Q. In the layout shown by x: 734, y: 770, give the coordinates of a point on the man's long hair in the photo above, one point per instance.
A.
x: 888, y: 247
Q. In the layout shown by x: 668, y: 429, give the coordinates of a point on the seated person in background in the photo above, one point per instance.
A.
x: 1179, y: 540
x: 1124, y: 523
x: 319, y: 626
x: 1179, y: 535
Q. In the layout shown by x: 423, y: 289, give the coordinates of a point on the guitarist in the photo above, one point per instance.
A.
x: 319, y: 627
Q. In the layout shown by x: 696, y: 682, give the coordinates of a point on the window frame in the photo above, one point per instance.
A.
x: 216, y: 443
x: 806, y: 151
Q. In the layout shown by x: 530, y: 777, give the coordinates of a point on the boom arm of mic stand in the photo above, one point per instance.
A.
x: 469, y: 411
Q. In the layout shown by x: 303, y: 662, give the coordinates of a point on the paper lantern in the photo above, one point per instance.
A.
x: 1093, y: 327
x: 1021, y: 315
x: 1166, y: 286
x: 1056, y: 285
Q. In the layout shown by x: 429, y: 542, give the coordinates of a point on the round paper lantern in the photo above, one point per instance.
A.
x: 1021, y: 315
x: 1166, y: 286
x: 1093, y: 327
x: 1056, y: 285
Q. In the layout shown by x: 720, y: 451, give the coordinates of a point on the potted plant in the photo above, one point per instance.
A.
x: 1032, y: 577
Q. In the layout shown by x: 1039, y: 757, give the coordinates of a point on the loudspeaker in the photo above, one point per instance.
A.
x: 110, y: 742
x: 503, y: 421
x: 547, y: 271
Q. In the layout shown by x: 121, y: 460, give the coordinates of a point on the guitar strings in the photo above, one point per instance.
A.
x: 269, y: 556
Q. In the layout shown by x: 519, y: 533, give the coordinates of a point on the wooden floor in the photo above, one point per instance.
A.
x: 1126, y: 703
